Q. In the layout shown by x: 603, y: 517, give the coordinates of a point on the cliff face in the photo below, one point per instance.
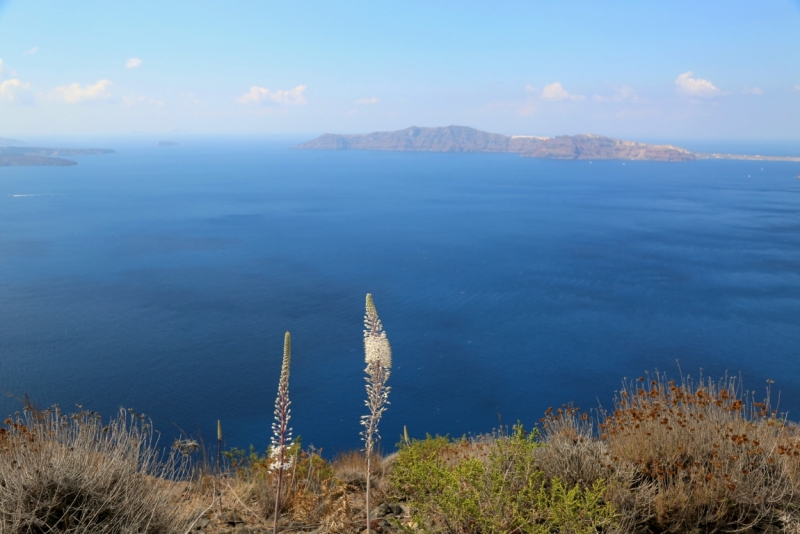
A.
x: 464, y: 139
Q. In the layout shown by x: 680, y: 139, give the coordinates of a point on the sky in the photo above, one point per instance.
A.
x: 715, y: 69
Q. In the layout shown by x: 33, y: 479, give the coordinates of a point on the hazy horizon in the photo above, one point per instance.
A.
x: 282, y: 141
x: 719, y: 70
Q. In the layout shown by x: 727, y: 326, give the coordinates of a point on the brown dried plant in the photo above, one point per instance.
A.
x: 683, y: 456
x: 340, y: 518
x: 309, y: 487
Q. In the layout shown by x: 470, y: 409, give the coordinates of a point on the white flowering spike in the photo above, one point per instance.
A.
x: 378, y: 355
x: 281, y: 433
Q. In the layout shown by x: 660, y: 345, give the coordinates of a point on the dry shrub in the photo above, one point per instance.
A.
x: 350, y: 468
x: 572, y: 453
x: 71, y: 473
x: 327, y: 508
x: 686, y: 456
x: 340, y: 518
x: 314, y: 491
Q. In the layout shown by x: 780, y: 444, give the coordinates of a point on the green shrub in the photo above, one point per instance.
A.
x: 459, y: 487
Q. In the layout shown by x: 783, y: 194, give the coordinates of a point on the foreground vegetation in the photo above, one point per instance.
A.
x: 73, y: 473
x: 669, y: 457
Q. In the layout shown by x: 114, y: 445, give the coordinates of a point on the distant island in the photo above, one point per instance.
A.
x: 37, y: 156
x: 465, y: 139
x: 4, y: 141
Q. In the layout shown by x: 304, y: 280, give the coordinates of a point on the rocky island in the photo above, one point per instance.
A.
x: 465, y: 139
x: 36, y: 156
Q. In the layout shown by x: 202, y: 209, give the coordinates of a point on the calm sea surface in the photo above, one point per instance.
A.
x: 163, y: 279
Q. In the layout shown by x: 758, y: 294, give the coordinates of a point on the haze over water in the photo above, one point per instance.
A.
x: 162, y: 279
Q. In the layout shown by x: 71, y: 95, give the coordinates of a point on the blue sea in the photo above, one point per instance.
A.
x: 164, y: 278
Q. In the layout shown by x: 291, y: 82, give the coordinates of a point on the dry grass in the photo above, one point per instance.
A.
x: 350, y: 468
x: 72, y: 473
x: 683, y: 457
x: 327, y: 497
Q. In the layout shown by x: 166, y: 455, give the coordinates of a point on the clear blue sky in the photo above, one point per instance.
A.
x: 680, y: 69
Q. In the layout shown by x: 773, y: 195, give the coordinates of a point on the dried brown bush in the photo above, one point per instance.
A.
x: 72, y: 473
x: 316, y: 493
x: 680, y: 457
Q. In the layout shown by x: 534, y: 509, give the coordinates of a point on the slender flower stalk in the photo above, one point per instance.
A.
x: 219, y: 462
x: 378, y: 355
x: 281, y: 433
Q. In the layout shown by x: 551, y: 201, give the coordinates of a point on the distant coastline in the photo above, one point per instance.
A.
x: 4, y: 141
x: 465, y: 139
x: 19, y: 156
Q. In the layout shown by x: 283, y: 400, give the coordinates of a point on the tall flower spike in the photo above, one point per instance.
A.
x: 282, y: 434
x: 378, y: 355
